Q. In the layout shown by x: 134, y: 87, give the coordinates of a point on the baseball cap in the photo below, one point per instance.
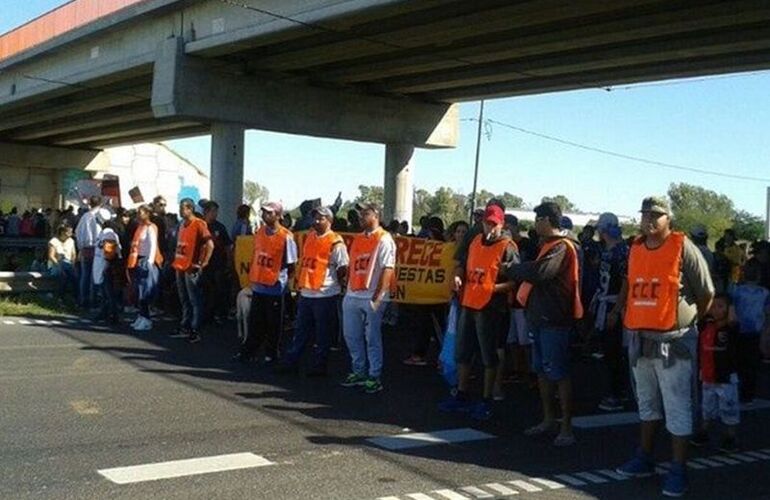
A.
x: 657, y: 204
x: 362, y: 207
x: 323, y: 211
x: 699, y: 231
x: 606, y: 221
x: 494, y: 214
x: 272, y: 206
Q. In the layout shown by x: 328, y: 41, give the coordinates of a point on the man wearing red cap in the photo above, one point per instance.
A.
x: 481, y: 281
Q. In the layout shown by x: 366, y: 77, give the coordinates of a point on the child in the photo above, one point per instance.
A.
x: 752, y: 303
x: 718, y: 364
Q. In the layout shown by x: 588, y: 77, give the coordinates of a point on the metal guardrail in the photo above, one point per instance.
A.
x: 27, y: 282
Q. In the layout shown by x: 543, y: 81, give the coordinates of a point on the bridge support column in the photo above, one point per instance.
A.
x: 399, y: 187
x: 227, y: 169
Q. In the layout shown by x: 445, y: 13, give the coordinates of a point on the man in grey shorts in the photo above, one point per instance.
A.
x: 668, y: 288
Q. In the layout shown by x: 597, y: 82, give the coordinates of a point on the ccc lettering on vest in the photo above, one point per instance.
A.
x: 645, y: 293
x: 265, y: 260
x: 476, y: 276
x: 361, y: 264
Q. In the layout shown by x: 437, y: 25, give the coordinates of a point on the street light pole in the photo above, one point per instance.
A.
x: 478, y: 152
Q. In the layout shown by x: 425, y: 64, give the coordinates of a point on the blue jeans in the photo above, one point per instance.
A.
x: 361, y: 327
x: 85, y: 266
x: 550, y: 352
x: 65, y: 271
x: 145, y: 276
x: 109, y: 303
x: 316, y: 318
x: 190, y: 298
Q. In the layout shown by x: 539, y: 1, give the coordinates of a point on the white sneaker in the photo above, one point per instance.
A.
x: 144, y: 326
x: 136, y: 322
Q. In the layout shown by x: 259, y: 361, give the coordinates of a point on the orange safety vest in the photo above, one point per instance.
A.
x: 362, y: 253
x: 316, y: 253
x: 188, y: 243
x: 652, y: 302
x: 133, y: 254
x: 574, y: 275
x: 267, y: 258
x: 481, y: 271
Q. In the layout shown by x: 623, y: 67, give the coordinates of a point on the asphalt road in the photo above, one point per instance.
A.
x: 77, y: 398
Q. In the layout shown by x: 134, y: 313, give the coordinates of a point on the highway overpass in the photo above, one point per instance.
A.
x: 387, y: 71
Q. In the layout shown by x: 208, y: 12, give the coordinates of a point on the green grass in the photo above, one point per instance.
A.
x: 35, y: 305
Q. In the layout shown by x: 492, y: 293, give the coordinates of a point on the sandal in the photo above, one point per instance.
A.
x: 541, y: 428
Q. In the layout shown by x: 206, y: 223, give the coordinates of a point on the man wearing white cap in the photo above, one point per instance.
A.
x: 272, y: 264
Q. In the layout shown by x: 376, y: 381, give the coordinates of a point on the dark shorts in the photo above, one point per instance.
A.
x: 483, y: 331
x: 550, y: 353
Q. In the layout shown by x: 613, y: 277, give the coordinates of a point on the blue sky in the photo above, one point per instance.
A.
x: 719, y: 124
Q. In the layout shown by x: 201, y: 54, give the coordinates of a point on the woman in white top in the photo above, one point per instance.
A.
x: 143, y: 263
x: 61, y: 256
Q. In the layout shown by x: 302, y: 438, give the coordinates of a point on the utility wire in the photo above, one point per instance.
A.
x: 623, y: 156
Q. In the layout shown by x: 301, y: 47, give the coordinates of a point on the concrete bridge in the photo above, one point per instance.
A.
x: 93, y: 74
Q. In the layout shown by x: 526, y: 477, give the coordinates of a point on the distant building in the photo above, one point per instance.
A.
x: 153, y: 168
x: 577, y: 219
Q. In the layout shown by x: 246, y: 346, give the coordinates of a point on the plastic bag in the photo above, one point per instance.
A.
x: 447, y: 356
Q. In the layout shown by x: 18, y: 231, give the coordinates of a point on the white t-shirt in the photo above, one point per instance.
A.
x: 64, y: 250
x: 331, y: 285
x: 385, y: 258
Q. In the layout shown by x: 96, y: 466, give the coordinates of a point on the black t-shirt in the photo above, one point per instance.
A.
x: 222, y: 242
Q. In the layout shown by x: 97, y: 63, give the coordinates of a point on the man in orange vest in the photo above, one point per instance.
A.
x: 483, y: 322
x: 322, y: 270
x: 272, y: 265
x: 668, y: 289
x: 371, y: 274
x: 193, y: 251
x: 550, y: 294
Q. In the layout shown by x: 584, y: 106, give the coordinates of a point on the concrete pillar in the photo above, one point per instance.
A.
x: 227, y: 169
x: 399, y: 187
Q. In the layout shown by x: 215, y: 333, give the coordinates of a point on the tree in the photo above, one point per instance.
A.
x: 511, y: 201
x: 693, y: 205
x: 564, y: 203
x: 253, y: 192
x: 370, y: 194
x: 748, y: 226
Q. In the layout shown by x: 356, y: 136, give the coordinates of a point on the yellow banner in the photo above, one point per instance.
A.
x: 424, y: 268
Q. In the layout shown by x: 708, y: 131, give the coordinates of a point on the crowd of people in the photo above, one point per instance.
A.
x: 680, y: 328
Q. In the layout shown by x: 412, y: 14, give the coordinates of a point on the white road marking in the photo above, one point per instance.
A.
x: 8, y: 322
x: 417, y: 439
x: 25, y: 322
x: 56, y: 322
x: 41, y: 322
x: 606, y: 420
x: 758, y: 455
x: 181, y: 468
x: 570, y: 480
x: 388, y: 498
x: 591, y: 477
x: 450, y: 494
x: 725, y: 460
x: 420, y: 496
x: 612, y: 474
x: 525, y: 486
x: 743, y: 456
x: 476, y: 492
x: 695, y: 465
x: 501, y: 489
x: 707, y: 462
x: 551, y: 485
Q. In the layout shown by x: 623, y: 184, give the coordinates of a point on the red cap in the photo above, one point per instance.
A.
x: 494, y: 214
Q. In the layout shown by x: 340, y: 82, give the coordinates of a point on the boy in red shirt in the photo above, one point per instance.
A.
x: 719, y: 374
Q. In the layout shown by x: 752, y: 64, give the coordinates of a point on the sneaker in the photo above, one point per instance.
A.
x: 675, y: 481
x: 498, y: 395
x: 353, y: 380
x: 372, y: 386
x: 564, y: 439
x: 414, y: 360
x: 136, y: 322
x: 610, y: 404
x: 180, y: 333
x: 481, y: 411
x: 641, y: 465
x: 143, y: 325
x: 699, y: 439
x: 454, y: 404
x: 728, y: 445
x: 194, y: 338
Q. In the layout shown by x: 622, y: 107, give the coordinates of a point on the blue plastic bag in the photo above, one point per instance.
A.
x: 447, y: 356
